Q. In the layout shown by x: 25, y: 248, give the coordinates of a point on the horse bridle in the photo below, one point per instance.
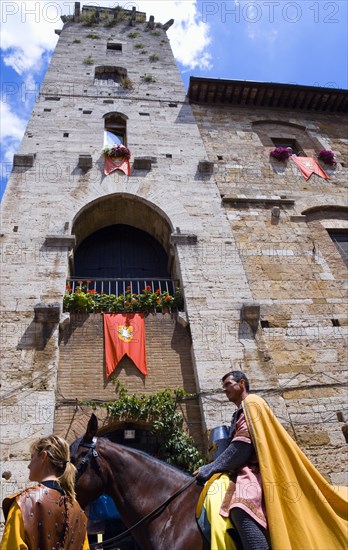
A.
x: 93, y: 453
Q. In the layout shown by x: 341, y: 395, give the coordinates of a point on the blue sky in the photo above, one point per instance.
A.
x: 297, y: 42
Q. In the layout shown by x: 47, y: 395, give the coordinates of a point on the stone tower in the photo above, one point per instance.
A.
x: 112, y: 71
x: 206, y: 211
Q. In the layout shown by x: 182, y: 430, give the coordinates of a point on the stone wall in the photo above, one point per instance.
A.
x: 48, y: 194
x: 81, y: 371
x: 293, y: 268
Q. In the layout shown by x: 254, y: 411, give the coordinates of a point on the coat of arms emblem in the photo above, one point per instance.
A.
x: 125, y: 333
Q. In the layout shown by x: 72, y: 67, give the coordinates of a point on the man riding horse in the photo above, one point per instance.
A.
x: 269, y: 472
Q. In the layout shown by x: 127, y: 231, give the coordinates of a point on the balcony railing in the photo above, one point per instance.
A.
x: 122, y: 295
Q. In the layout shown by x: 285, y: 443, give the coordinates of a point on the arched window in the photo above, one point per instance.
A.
x: 329, y: 229
x: 115, y: 127
x: 125, y: 253
x: 280, y: 133
x: 109, y: 75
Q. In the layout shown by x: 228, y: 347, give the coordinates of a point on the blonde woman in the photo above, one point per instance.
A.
x: 47, y: 515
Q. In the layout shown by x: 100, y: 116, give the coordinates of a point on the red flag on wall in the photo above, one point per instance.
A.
x: 124, y: 334
x: 110, y: 165
x: 309, y: 166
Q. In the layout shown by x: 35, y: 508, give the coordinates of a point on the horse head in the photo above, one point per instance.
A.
x: 156, y: 499
x: 91, y: 477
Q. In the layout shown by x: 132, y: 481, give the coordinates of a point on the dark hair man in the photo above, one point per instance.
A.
x: 268, y: 471
x: 246, y: 508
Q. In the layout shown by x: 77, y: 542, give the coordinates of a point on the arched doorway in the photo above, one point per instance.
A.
x: 121, y: 251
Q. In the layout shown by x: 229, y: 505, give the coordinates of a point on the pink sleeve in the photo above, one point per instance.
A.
x: 242, y: 432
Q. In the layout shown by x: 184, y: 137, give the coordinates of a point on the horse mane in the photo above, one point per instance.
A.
x: 148, y: 457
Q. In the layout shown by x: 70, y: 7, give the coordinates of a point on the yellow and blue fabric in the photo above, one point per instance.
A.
x: 213, y: 526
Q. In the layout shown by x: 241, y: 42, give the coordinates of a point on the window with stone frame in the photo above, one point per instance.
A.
x: 109, y: 75
x: 115, y: 129
x: 328, y: 225
x: 280, y: 133
x: 340, y: 238
x: 291, y: 143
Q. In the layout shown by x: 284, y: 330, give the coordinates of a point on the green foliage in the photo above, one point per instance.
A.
x: 154, y: 57
x: 155, y: 33
x: 139, y: 45
x: 89, y: 19
x: 143, y: 52
x: 133, y: 34
x: 110, y: 23
x: 76, y: 41
x: 93, y: 36
x: 88, y: 60
x: 161, y: 411
x: 88, y: 300
x: 126, y: 83
x: 148, y: 78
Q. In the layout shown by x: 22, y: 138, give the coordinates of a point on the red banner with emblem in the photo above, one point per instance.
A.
x: 124, y: 334
x: 309, y: 166
x: 110, y: 165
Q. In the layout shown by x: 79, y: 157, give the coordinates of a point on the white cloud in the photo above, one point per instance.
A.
x: 189, y: 36
x: 11, y: 131
x: 27, y: 33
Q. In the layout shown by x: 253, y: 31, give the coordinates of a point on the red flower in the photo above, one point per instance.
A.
x: 168, y: 298
x: 68, y: 287
x: 92, y: 292
x: 88, y: 281
x: 158, y: 291
x: 80, y: 282
x: 127, y: 303
x: 78, y: 290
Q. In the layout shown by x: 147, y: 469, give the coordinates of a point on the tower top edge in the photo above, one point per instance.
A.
x: 117, y: 13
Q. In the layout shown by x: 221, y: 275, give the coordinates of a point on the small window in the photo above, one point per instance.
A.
x: 340, y: 238
x: 115, y: 129
x: 114, y: 46
x: 292, y: 143
x: 108, y: 75
x: 66, y: 134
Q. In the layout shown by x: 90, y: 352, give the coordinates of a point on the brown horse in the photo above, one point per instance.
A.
x: 139, y: 484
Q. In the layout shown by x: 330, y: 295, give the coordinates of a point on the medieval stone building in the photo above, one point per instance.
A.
x: 254, y: 246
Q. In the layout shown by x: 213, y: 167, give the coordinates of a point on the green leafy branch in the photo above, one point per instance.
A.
x: 160, y: 410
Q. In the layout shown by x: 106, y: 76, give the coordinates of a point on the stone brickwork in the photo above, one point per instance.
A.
x: 81, y: 372
x: 294, y: 269
x: 174, y: 202
x: 232, y: 256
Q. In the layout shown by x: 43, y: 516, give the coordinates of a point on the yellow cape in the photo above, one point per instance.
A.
x: 304, y: 511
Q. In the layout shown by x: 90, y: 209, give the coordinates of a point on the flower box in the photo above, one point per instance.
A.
x: 83, y: 299
x: 117, y: 151
x: 281, y: 153
x: 327, y: 156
